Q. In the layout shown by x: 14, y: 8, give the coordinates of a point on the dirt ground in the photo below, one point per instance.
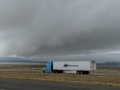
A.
x: 102, y: 76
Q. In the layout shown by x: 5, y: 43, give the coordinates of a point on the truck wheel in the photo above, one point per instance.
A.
x: 54, y: 71
x: 43, y: 71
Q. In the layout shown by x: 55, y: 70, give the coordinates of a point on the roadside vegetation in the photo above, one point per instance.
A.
x: 35, y: 73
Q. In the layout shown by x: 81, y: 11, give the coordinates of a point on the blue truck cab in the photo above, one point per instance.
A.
x: 48, y: 67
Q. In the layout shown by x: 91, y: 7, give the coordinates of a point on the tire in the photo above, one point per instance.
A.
x: 77, y: 72
x: 87, y: 72
x: 54, y: 71
x: 43, y: 71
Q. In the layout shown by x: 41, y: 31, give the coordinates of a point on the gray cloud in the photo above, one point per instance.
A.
x: 56, y: 27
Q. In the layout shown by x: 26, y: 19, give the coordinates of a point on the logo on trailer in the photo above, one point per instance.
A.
x: 68, y: 65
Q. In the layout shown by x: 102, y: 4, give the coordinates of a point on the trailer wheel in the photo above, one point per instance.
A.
x: 78, y: 72
x: 87, y: 72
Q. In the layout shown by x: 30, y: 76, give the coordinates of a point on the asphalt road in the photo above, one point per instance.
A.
x: 16, y: 84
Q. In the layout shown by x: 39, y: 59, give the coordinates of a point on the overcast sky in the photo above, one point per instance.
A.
x: 35, y: 28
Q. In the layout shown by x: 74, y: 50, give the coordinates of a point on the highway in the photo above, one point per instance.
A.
x: 16, y: 84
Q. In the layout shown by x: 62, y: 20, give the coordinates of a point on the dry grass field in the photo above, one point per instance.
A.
x: 108, y: 70
x: 34, y: 73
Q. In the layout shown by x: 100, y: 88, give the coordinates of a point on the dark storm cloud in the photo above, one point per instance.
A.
x: 42, y: 27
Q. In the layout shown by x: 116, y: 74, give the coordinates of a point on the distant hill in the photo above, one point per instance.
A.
x: 13, y: 59
x: 112, y: 63
x: 109, y: 65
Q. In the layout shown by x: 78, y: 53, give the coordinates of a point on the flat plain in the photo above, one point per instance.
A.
x: 102, y: 76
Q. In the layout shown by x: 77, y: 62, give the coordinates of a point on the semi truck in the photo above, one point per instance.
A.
x: 77, y: 67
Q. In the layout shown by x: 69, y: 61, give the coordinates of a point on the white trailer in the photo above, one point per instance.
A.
x: 79, y: 67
